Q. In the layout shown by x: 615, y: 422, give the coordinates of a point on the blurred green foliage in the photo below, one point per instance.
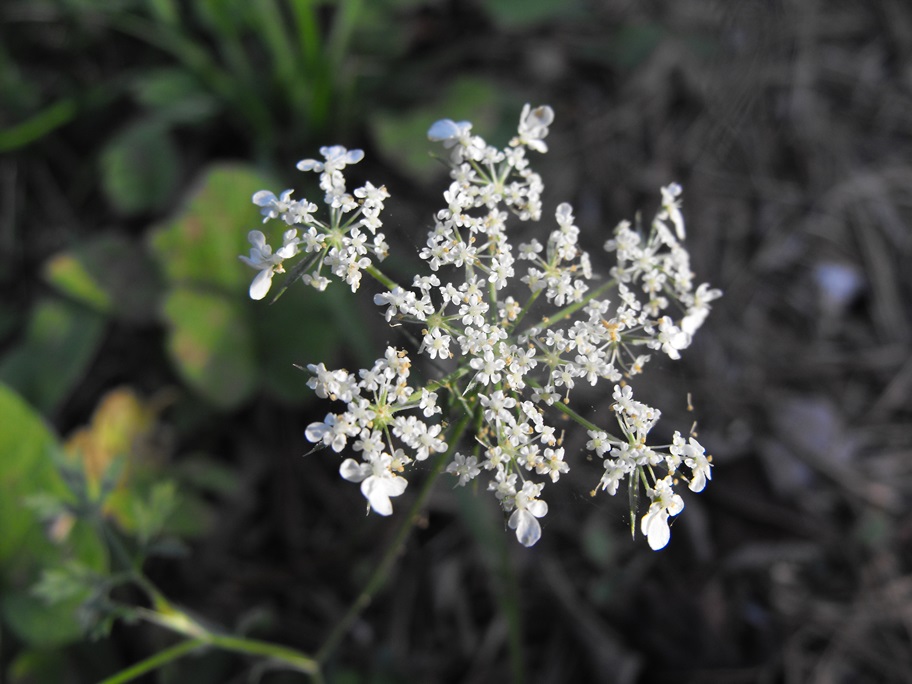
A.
x: 28, y: 469
x: 222, y: 344
x: 281, y: 73
x: 59, y: 342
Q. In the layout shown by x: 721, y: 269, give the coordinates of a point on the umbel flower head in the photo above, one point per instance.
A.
x: 514, y: 323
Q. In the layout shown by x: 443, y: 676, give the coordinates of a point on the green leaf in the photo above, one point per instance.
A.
x: 151, y: 513
x: 39, y: 125
x: 174, y: 96
x: 36, y: 665
x: 27, y: 470
x: 402, y: 138
x: 60, y: 340
x: 211, y: 344
x: 140, y: 168
x: 38, y: 622
x: 111, y: 274
x: 202, y: 244
x: 64, y: 583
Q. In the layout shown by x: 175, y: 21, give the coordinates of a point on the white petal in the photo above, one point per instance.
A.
x: 315, y: 431
x: 310, y: 165
x: 261, y: 284
x: 528, y: 531
x: 655, y: 527
x: 353, y: 471
x: 374, y: 490
x: 446, y: 129
x: 287, y: 251
x: 354, y: 156
x: 263, y: 198
x: 538, y: 508
x: 256, y: 238
x: 396, y: 485
x: 442, y: 130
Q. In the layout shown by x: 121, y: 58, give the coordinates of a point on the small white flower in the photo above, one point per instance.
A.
x: 378, y: 482
x: 598, y: 442
x: 665, y: 503
x: 337, y: 157
x: 333, y: 432
x: 671, y: 339
x: 271, y: 206
x: 694, y: 457
x: 612, y: 477
x: 552, y: 464
x: 528, y: 508
x: 436, y: 344
x: 533, y: 127
x: 262, y: 258
x: 465, y: 468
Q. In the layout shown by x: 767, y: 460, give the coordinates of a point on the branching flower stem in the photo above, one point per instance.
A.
x: 568, y: 311
x: 567, y: 411
x: 381, y: 572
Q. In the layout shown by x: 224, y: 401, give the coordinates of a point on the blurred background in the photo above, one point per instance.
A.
x: 132, y: 135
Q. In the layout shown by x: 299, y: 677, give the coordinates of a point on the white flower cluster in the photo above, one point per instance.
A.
x: 339, y: 244
x: 630, y: 457
x: 375, y: 402
x: 513, y: 379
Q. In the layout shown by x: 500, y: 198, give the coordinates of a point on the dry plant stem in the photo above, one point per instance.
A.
x: 381, y: 572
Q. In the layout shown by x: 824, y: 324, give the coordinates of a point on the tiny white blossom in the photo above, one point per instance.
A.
x: 528, y: 508
x: 533, y: 127
x: 262, y: 258
x: 465, y: 468
x: 378, y: 482
x: 665, y: 503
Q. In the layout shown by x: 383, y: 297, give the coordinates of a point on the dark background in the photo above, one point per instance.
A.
x: 789, y: 125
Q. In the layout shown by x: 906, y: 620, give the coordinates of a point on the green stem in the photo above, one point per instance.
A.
x: 288, y: 656
x: 176, y: 620
x: 568, y: 311
x: 566, y: 410
x: 381, y: 572
x: 525, y: 309
x: 154, y: 662
x: 381, y: 277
